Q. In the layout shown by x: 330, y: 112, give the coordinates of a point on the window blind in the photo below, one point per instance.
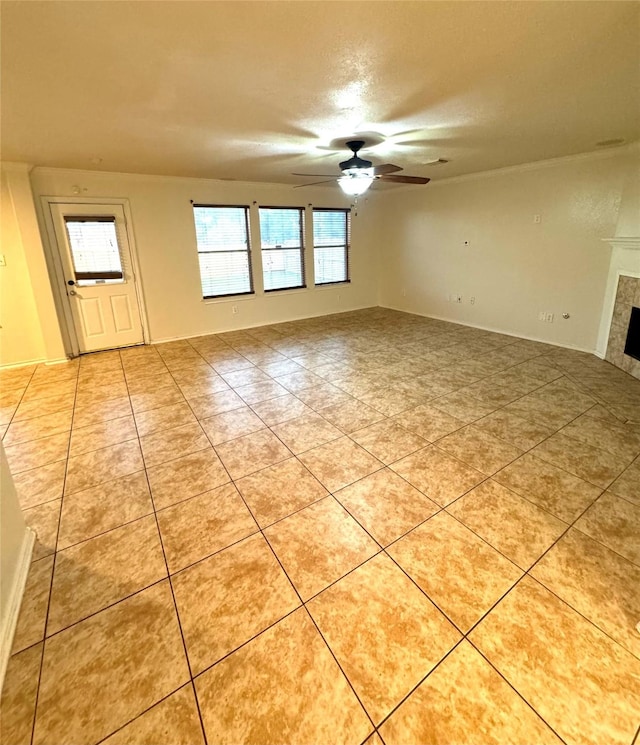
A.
x: 282, y: 243
x: 331, y: 245
x: 222, y: 236
x: 94, y: 248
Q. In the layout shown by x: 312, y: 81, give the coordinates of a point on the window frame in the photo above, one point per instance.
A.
x: 246, y: 208
x: 301, y: 248
x: 347, y: 245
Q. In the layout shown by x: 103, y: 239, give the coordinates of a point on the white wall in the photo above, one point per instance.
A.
x: 513, y: 266
x: 164, y: 234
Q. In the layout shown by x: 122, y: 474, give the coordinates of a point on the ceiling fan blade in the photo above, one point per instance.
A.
x: 405, y: 179
x: 385, y: 168
x: 325, y: 175
x: 315, y: 183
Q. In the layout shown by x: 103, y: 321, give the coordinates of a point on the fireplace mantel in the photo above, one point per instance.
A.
x: 631, y: 244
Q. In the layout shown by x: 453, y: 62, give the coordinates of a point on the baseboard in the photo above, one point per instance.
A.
x: 17, y: 365
x: 494, y: 330
x: 15, y: 600
x: 165, y: 339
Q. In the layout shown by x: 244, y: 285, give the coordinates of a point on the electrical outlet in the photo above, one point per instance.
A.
x: 549, y: 318
x: 472, y: 300
x: 541, y: 315
x: 458, y: 298
x: 234, y: 309
x: 537, y: 219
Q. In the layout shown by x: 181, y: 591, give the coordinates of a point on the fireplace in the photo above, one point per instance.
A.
x: 623, y: 348
x: 632, y: 343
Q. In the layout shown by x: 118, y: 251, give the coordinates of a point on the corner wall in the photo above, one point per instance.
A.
x: 164, y: 236
x: 513, y: 266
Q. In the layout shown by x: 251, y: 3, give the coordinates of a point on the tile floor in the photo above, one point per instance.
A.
x: 369, y: 527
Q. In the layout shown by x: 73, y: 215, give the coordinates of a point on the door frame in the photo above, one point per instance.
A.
x: 58, y: 279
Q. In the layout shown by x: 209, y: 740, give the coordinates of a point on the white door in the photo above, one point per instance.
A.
x: 98, y: 271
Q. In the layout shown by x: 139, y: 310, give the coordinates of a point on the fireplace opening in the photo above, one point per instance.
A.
x: 632, y: 345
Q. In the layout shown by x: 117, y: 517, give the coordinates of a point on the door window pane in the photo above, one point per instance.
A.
x: 94, y: 250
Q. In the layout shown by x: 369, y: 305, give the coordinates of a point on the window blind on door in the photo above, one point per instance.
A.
x: 94, y: 248
x: 222, y: 236
x: 282, y: 243
x: 331, y: 245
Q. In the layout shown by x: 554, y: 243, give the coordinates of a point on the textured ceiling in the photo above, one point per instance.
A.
x: 255, y: 90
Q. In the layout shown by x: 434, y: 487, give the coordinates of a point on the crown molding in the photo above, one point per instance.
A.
x: 631, y: 244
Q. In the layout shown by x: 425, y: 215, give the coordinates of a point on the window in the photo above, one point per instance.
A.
x: 331, y: 238
x: 94, y: 250
x: 282, y: 241
x: 222, y: 235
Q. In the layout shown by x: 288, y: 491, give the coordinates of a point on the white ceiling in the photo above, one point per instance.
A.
x: 255, y: 90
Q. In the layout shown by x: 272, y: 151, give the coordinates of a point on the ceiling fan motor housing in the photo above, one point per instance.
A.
x: 355, y: 161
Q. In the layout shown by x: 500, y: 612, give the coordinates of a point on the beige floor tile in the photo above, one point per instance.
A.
x: 40, y: 484
x: 599, y: 467
x: 213, y: 383
x: 186, y: 477
x: 98, y: 466
x: 251, y: 453
x: 318, y: 545
x: 280, y: 409
x: 614, y: 522
x: 45, y: 390
x: 339, y: 463
x: 231, y: 424
x: 465, y: 700
x: 388, y: 441
x: 101, y: 394
x: 96, y: 573
x: 169, y: 444
x: 597, y: 582
x: 174, y: 720
x: 306, y: 432
x: 230, y: 363
x: 548, y: 486
x: 215, y: 403
x: 42, y: 406
x: 462, y: 574
x: 228, y: 598
x: 479, y: 449
x: 440, y: 476
x: 279, y: 490
x: 19, y: 693
x: 392, y: 401
x: 166, y: 417
x: 351, y: 416
x: 321, y: 396
x: 512, y: 525
x: 386, y: 505
x: 617, y: 438
x: 385, y: 633
x: 286, y: 687
x: 254, y: 393
x: 582, y: 683
x: 156, y: 398
x: 33, y: 610
x: 88, y: 513
x: 101, y: 673
x: 248, y: 376
x: 101, y: 435
x: 513, y: 429
x: 44, y: 520
x: 102, y: 411
x: 38, y: 427
x: 462, y: 405
x: 428, y: 422
x: 627, y: 485
x: 299, y: 381
x: 36, y: 453
x: 202, y: 525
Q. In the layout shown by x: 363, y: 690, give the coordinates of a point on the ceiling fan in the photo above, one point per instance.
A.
x: 358, y: 174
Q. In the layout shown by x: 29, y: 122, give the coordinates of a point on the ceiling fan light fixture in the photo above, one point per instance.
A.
x: 355, y: 181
